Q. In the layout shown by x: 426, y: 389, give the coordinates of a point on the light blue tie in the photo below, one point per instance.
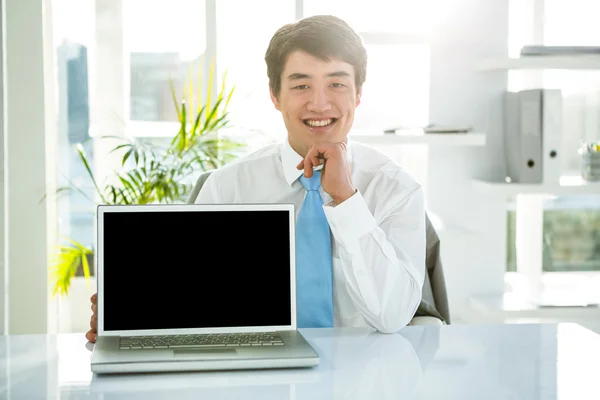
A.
x: 313, y: 259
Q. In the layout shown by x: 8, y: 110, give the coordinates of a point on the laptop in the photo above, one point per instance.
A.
x: 185, y: 287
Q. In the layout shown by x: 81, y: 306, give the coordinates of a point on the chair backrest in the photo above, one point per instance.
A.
x: 197, y: 186
x: 434, y: 299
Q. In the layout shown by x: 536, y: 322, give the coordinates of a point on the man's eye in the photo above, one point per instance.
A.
x: 337, y: 85
x: 301, y: 87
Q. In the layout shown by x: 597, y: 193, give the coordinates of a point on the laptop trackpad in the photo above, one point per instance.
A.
x: 204, y: 352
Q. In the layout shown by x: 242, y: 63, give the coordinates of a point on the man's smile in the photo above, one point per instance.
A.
x: 319, y: 124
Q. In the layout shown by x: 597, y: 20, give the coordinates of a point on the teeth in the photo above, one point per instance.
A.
x: 319, y: 123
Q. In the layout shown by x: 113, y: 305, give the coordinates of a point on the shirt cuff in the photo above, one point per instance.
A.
x: 351, y: 219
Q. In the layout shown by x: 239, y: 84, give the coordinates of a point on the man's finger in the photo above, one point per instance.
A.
x: 91, y: 336
x: 94, y: 308
x: 308, y: 167
x: 310, y: 161
x: 94, y: 298
x: 315, y: 160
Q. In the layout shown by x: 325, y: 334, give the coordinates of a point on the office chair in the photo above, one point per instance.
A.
x: 433, y: 309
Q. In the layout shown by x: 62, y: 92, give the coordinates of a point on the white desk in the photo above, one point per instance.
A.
x: 422, y: 362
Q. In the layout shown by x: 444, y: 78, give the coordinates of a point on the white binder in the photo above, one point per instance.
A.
x: 552, y: 117
x: 532, y: 134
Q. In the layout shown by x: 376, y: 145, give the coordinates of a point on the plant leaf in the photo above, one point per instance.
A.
x: 175, y: 100
x: 199, y: 84
x: 126, y: 156
x: 211, y: 73
x: 57, y: 192
x: 65, y: 263
x: 217, y: 122
x: 86, y: 164
x: 229, y: 97
x: 190, y: 89
x: 196, y: 123
x: 213, y: 112
x: 120, y: 147
x: 160, y: 173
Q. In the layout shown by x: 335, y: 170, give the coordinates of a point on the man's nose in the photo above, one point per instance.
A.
x: 319, y: 102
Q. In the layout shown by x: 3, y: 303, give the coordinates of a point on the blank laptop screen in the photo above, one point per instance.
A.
x: 196, y: 269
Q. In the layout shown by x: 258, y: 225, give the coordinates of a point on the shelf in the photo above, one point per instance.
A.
x: 576, y: 62
x: 168, y: 129
x: 439, y: 139
x: 568, y: 185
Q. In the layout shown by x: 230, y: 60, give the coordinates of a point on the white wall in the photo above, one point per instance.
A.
x: 473, y: 245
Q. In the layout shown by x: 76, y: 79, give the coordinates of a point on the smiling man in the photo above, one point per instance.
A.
x: 361, y: 254
x: 360, y: 217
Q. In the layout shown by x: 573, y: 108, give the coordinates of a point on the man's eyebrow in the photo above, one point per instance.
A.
x: 336, y: 74
x: 297, y: 75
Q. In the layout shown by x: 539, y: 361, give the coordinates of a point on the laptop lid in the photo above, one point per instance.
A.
x: 195, y: 269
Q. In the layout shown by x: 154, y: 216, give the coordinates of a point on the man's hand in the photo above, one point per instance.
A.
x: 93, y: 332
x: 336, y: 177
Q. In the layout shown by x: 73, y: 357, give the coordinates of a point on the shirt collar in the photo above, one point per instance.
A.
x: 290, y: 159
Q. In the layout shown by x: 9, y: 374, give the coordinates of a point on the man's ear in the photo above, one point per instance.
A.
x: 358, y: 95
x: 274, y: 99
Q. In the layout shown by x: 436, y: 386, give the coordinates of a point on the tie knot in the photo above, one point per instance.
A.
x: 312, y: 183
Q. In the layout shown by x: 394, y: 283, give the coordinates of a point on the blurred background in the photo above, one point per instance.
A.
x: 511, y: 189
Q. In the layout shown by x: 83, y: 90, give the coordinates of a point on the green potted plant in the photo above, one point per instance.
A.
x: 154, y: 174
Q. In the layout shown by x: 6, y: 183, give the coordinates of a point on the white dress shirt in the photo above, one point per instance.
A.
x: 378, y: 234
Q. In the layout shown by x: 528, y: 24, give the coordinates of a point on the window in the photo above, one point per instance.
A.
x: 164, y: 40
x: 115, y: 60
x: 72, y: 38
x: 395, y: 35
x: 164, y: 44
x: 243, y: 34
x: 395, y: 93
x: 568, y: 23
x: 400, y: 16
x: 396, y: 90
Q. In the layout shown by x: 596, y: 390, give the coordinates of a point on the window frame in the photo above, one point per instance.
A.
x: 167, y: 129
x: 116, y: 96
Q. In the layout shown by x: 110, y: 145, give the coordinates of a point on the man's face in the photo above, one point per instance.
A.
x: 317, y: 100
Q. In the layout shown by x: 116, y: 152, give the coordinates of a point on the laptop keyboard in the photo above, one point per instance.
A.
x: 209, y: 340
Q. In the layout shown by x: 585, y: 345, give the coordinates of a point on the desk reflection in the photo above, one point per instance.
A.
x: 521, y: 361
x: 354, y: 365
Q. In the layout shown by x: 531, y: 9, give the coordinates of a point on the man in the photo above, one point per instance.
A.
x: 360, y: 217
